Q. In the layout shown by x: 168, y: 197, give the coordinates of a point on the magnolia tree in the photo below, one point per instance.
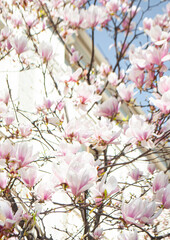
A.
x: 89, y: 161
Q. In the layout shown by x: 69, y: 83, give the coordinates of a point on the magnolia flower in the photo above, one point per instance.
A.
x: 93, y: 16
x: 128, y: 235
x: 75, y: 76
x: 105, y: 69
x: 147, y: 23
x: 3, y: 180
x: 5, y: 33
x: 3, y: 109
x: 158, y: 55
x: 81, y: 173
x: 135, y: 174
x: 112, y: 6
x: 73, y: 16
x: 98, y: 233
x: 6, y: 149
x: 160, y: 181
x: 113, y: 79
x: 139, y: 131
x: 164, y: 84
x: 59, y: 173
x: 75, y: 57
x: 139, y: 211
x: 44, y: 191
x: 29, y: 175
x: 68, y: 148
x: 108, y: 108
x: 78, y: 130
x: 46, y: 51
x: 105, y: 133
x: 80, y: 179
x: 126, y: 93
x: 4, y: 96
x: 22, y: 155
x: 136, y: 75
x: 25, y: 130
x: 86, y: 95
x: 20, y: 44
x: 151, y: 167
x: 7, y: 218
x: 163, y: 196
x: 102, y: 190
x: 157, y: 35
x: 164, y: 103
x: 9, y: 117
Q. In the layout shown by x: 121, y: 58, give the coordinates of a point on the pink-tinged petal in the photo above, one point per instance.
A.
x: 160, y: 181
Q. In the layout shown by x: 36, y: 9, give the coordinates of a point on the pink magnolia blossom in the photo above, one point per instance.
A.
x: 168, y: 8
x: 22, y: 155
x: 31, y: 20
x: 137, y: 76
x: 78, y: 130
x: 17, y: 21
x: 5, y: 96
x: 75, y: 76
x: 81, y: 173
x: 164, y: 84
x: 113, y: 79
x: 3, y: 180
x: 60, y: 173
x: 126, y: 93
x: 158, y: 55
x: 163, y: 196
x: 139, y: 211
x: 68, y: 148
x: 57, y: 3
x: 139, y: 131
x: 44, y: 191
x: 47, y: 103
x: 127, y: 24
x: 5, y: 33
x: 147, y: 23
x: 25, y: 130
x: 73, y: 16
x: 138, y: 59
x: 75, y: 57
x: 46, y: 51
x: 151, y: 167
x: 79, y: 3
x: 9, y: 118
x: 160, y: 181
x: 112, y: 6
x: 93, y: 16
x: 29, y: 175
x: 3, y: 109
x: 105, y: 133
x: 164, y: 103
x: 108, y: 108
x: 6, y: 149
x: 104, y: 69
x: 135, y: 174
x: 86, y: 95
x: 80, y: 180
x: 157, y: 35
x: 98, y: 233
x: 7, y: 218
x: 104, y: 189
x: 20, y: 44
x: 128, y: 235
